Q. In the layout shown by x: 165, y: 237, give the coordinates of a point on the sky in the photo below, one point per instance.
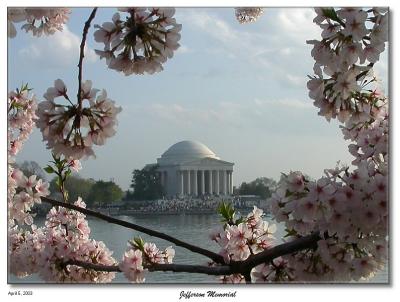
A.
x: 239, y: 89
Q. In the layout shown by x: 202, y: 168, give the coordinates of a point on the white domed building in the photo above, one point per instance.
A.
x: 190, y: 168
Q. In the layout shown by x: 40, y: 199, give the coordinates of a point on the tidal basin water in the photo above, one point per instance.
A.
x: 192, y: 228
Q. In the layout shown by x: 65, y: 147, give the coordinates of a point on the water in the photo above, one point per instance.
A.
x: 192, y: 228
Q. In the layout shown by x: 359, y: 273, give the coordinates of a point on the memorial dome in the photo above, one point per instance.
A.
x: 185, y: 151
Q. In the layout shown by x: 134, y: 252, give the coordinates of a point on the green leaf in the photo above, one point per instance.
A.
x: 331, y: 14
x: 137, y: 243
x: 288, y: 193
x: 239, y: 221
x: 67, y: 173
x: 227, y: 212
x: 49, y: 169
x: 289, y: 233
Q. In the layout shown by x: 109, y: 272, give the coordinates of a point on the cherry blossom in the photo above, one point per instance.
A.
x: 48, y: 249
x: 142, y: 43
x: 131, y: 266
x: 232, y: 279
x: 140, y: 256
x: 74, y: 164
x: 346, y: 53
x: 248, y: 14
x: 14, y: 15
x: 276, y: 271
x: 354, y: 23
x: 21, y: 116
x: 71, y: 130
x: 38, y: 20
x: 239, y: 240
x: 347, y: 207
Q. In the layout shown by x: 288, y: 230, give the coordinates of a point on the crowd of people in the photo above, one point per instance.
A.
x: 188, y: 204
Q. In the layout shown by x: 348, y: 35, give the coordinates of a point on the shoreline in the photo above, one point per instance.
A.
x: 178, y: 212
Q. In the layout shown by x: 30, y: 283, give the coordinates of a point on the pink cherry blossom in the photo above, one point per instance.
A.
x: 75, y: 164
x: 295, y: 181
x: 59, y: 126
x: 248, y: 14
x: 42, y: 188
x: 355, y: 23
x: 38, y: 20
x: 154, y: 43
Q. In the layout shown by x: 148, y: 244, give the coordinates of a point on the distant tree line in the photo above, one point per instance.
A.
x: 261, y: 186
x: 92, y: 192
x: 145, y: 184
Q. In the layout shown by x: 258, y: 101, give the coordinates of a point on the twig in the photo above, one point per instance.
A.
x: 82, y: 55
x: 214, y: 256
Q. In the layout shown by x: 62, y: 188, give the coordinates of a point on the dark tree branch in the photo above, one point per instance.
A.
x: 247, y: 276
x: 82, y: 54
x: 236, y: 267
x: 200, y: 269
x: 268, y: 255
x: 96, y: 267
x: 155, y: 267
x: 214, y: 256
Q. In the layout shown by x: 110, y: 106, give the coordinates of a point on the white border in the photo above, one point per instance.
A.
x: 296, y: 293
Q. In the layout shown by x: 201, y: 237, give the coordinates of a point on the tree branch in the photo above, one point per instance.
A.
x: 268, y: 255
x: 235, y: 267
x: 214, y: 256
x: 185, y: 268
x: 96, y: 267
x: 155, y: 267
x: 82, y: 54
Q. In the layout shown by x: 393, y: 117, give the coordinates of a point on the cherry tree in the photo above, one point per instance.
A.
x: 336, y: 226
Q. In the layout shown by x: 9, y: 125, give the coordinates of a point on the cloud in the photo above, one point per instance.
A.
x: 285, y: 103
x: 180, y: 114
x: 296, y: 80
x: 56, y: 51
x: 297, y: 23
x: 236, y: 115
x: 276, y: 42
x: 233, y: 42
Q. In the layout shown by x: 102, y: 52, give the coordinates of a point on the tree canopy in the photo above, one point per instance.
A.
x: 261, y: 186
x: 75, y: 185
x: 146, y: 184
x: 91, y: 191
x: 104, y: 192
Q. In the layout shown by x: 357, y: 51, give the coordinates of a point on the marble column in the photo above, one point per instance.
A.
x: 195, y: 191
x: 231, y: 184
x: 203, y: 186
x: 217, y: 182
x: 210, y: 182
x: 188, y: 182
x: 224, y: 172
x: 181, y: 183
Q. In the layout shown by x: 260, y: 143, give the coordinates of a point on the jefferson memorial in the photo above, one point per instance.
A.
x: 190, y: 168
